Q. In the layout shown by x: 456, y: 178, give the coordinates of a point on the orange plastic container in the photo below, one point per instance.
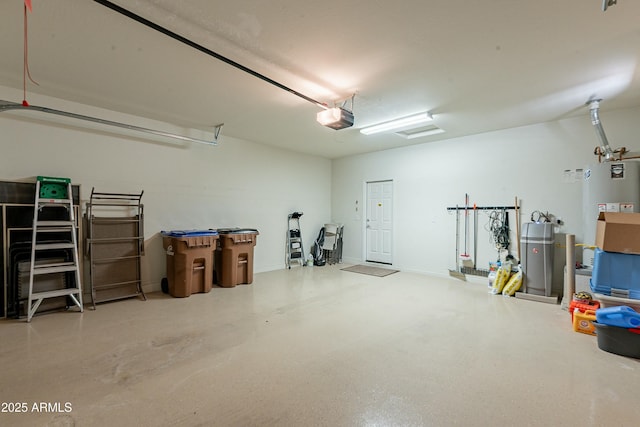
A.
x: 583, y: 306
x: 584, y: 322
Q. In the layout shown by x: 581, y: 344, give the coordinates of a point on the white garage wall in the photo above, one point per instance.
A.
x: 188, y: 186
x: 493, y: 168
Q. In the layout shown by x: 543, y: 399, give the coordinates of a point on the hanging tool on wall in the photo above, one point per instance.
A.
x: 498, y: 228
x: 466, y: 223
x: 517, y: 226
x: 465, y: 258
x: 457, y: 273
x: 475, y: 235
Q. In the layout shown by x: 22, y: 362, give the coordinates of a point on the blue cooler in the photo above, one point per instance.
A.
x: 616, y: 274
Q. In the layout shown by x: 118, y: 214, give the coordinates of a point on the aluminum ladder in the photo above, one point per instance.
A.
x: 295, y: 250
x: 53, y: 194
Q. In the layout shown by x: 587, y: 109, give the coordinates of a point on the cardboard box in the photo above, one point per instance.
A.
x: 618, y: 232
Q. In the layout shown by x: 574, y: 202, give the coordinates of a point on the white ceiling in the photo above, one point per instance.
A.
x: 477, y: 65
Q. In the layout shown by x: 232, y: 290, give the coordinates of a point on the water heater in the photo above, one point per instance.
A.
x: 607, y: 187
x: 537, y: 240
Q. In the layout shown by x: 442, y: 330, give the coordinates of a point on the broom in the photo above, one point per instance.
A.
x: 456, y: 273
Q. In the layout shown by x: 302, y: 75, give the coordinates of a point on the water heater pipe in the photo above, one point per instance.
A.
x: 595, y: 121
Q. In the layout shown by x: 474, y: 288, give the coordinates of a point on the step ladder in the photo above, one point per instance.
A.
x: 295, y: 251
x: 53, y: 195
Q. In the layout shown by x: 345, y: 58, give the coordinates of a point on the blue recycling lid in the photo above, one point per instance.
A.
x: 237, y: 231
x: 189, y: 233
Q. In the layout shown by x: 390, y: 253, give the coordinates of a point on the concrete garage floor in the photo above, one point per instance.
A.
x: 316, y: 347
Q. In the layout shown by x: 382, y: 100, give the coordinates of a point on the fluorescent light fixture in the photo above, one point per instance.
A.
x: 400, y: 123
x: 335, y: 118
x: 420, y: 133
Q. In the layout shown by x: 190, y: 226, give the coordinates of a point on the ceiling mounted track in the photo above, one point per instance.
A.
x: 203, y: 49
x: 12, y: 106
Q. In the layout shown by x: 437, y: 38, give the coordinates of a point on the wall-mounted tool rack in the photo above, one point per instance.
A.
x: 461, y: 270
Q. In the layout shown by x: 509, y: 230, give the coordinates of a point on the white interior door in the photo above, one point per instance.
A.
x: 379, y: 220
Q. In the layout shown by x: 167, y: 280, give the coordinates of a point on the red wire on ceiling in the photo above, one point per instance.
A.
x: 25, y: 71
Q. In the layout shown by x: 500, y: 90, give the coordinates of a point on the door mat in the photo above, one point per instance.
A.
x: 371, y: 271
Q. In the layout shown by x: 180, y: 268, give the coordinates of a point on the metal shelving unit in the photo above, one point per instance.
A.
x: 114, y: 245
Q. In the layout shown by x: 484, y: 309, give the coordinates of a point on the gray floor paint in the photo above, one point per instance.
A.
x: 317, y: 347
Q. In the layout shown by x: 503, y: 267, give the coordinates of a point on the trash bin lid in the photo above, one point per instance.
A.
x: 189, y: 233
x: 237, y: 231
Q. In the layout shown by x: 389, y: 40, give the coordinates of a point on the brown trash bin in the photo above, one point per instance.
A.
x: 234, y: 256
x: 189, y: 261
